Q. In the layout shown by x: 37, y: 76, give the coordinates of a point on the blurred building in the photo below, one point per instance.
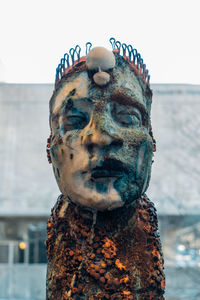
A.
x: 28, y: 189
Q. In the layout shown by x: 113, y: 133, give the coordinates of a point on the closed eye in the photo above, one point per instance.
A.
x: 132, y: 112
x: 126, y: 115
x: 74, y: 121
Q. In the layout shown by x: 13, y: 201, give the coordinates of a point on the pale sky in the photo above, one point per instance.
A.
x: 34, y: 35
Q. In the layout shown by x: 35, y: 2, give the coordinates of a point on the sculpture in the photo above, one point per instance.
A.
x: 102, y: 234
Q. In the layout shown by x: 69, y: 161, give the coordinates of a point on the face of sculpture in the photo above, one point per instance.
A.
x: 101, y: 149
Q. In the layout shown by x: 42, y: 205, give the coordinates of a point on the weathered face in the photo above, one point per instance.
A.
x: 101, y: 149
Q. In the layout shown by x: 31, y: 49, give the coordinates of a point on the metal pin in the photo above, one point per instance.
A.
x: 144, y: 69
x: 130, y: 49
x: 88, y: 47
x: 78, y: 51
x: 113, y: 44
x: 71, y: 52
x: 57, y: 75
x: 66, y: 59
x: 146, y: 74
x: 124, y: 49
x: 138, y: 60
x: 59, y: 71
x: 141, y: 64
x: 118, y: 45
x: 62, y: 68
x: 134, y: 56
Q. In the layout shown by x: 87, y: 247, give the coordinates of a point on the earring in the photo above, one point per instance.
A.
x: 48, y: 148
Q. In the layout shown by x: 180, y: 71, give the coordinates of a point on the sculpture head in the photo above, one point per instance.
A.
x: 101, y: 145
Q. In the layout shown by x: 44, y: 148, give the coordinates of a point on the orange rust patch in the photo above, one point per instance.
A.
x: 143, y: 213
x: 126, y: 293
x: 155, y: 252
x: 163, y: 284
x: 119, y: 265
x: 102, y: 279
x: 103, y: 265
x: 147, y: 227
x: 109, y: 248
x: 80, y: 258
x: 107, y: 276
x: 102, y: 271
x: 125, y: 279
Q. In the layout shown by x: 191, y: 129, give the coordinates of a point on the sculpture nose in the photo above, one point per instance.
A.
x: 95, y: 136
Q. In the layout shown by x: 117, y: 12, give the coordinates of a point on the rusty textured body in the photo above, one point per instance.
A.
x: 104, y: 255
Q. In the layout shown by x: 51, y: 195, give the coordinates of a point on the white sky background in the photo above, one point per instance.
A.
x: 34, y: 35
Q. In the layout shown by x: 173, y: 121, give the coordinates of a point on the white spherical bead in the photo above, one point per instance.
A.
x: 101, y: 78
x: 100, y: 58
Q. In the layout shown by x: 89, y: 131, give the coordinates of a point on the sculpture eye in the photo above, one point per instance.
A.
x: 126, y: 115
x: 74, y: 120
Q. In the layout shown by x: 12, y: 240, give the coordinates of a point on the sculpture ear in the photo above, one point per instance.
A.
x: 48, y: 148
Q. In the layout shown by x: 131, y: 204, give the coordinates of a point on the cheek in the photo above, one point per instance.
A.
x: 62, y: 162
x: 73, y: 149
x: 60, y: 155
x: 56, y: 172
x: 58, y: 158
x: 137, y: 145
x: 144, y: 157
x: 68, y: 154
x: 56, y: 124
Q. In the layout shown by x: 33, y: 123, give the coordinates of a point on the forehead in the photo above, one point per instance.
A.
x: 77, y: 86
x: 80, y: 85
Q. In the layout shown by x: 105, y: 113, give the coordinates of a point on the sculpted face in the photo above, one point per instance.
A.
x: 101, y: 149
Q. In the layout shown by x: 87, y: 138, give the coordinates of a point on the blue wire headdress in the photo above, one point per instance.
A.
x: 130, y: 54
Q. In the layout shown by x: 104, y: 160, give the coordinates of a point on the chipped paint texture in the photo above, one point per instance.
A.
x: 97, y: 139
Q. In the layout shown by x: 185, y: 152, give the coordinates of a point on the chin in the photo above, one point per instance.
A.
x: 88, y: 196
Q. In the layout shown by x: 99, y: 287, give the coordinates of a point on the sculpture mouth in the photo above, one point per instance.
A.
x: 109, y: 168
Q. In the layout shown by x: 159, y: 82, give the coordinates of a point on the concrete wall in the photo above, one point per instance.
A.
x: 27, y: 185
x: 176, y: 124
x: 23, y: 282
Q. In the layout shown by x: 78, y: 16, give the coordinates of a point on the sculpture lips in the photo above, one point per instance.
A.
x: 110, y: 168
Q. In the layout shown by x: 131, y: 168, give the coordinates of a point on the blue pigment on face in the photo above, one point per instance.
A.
x: 127, y: 187
x: 141, y: 161
x: 101, y: 187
